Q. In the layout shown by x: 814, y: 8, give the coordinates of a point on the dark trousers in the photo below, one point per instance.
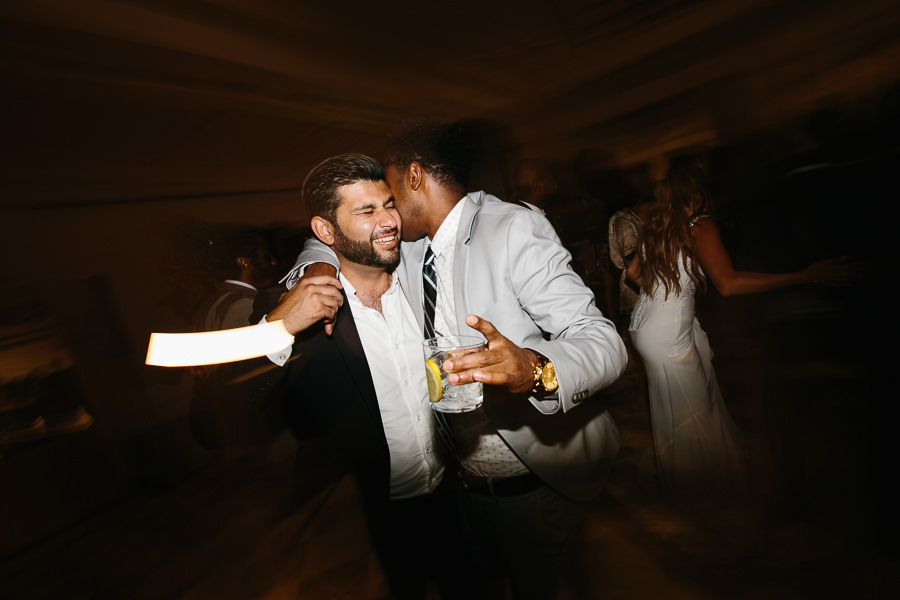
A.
x: 531, y: 542
x: 420, y: 540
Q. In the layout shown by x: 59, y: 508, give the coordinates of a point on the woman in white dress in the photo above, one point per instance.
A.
x: 699, y: 449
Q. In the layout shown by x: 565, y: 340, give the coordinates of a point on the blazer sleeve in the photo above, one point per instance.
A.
x: 287, y: 391
x: 585, y: 347
x: 313, y: 251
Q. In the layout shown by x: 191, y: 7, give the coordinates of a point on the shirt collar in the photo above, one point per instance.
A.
x: 445, y: 236
x: 351, y: 291
x: 241, y: 283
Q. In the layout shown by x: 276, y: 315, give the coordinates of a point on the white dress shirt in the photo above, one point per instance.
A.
x: 480, y: 450
x: 444, y: 247
x: 396, y: 357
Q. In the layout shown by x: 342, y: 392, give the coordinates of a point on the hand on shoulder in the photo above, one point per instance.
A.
x: 311, y: 300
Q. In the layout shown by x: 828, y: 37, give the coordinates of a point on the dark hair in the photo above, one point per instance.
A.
x: 227, y: 244
x: 246, y: 243
x: 443, y: 149
x: 320, y: 188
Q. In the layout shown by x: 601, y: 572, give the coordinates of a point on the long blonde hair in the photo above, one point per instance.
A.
x: 679, y: 199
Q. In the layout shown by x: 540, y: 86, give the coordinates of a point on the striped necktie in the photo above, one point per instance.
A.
x: 429, y: 286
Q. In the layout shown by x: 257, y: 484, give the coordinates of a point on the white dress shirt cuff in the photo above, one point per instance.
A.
x: 547, y: 405
x: 281, y: 356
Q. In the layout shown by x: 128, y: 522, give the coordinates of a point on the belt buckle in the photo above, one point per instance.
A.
x: 466, y: 480
x: 475, y: 483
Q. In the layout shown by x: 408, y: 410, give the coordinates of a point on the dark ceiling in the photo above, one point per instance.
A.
x: 108, y: 101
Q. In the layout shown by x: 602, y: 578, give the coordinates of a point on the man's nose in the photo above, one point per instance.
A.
x: 387, y: 219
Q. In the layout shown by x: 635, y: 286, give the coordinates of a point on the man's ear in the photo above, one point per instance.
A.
x: 323, y: 230
x: 242, y: 263
x: 414, y: 175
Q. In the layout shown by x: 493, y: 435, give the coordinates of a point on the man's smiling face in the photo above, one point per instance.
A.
x: 367, y: 231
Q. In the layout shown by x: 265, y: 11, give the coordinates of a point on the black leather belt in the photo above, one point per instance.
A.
x: 501, y: 487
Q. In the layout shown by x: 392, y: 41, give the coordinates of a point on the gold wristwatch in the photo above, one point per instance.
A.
x: 545, y: 381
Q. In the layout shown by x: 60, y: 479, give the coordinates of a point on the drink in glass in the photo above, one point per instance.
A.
x: 445, y: 397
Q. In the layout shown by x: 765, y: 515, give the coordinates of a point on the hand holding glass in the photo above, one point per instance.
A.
x: 445, y: 397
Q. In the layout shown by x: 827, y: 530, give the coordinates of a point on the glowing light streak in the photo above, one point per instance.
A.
x: 214, y: 347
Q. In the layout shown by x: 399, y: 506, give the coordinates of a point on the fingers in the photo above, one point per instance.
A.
x: 321, y: 280
x: 503, y: 363
x: 483, y: 358
x: 473, y: 360
x: 324, y: 289
x: 322, y: 306
x: 484, y: 376
x: 310, y: 301
x: 484, y: 326
x: 323, y: 284
x: 322, y: 301
x: 515, y: 376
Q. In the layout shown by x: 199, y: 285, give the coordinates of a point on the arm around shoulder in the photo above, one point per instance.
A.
x: 313, y: 260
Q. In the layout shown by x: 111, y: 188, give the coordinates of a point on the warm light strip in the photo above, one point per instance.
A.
x: 213, y: 347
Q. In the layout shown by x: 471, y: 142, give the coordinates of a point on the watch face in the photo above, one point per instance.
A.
x: 548, y: 377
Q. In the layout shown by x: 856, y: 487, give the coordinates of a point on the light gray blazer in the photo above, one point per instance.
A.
x: 511, y: 269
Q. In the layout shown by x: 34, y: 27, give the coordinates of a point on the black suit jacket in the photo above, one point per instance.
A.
x: 326, y: 389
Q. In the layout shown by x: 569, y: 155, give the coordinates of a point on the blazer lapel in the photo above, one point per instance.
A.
x: 410, y: 274
x: 413, y: 258
x: 349, y: 346
x: 461, y: 260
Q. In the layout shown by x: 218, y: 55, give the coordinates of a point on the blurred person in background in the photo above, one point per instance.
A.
x: 578, y: 218
x: 220, y: 419
x: 700, y: 451
x: 624, y: 235
x: 252, y: 267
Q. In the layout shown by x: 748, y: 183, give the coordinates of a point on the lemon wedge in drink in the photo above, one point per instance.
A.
x: 433, y: 375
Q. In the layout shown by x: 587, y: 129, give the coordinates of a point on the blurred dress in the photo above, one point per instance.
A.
x: 698, y: 446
